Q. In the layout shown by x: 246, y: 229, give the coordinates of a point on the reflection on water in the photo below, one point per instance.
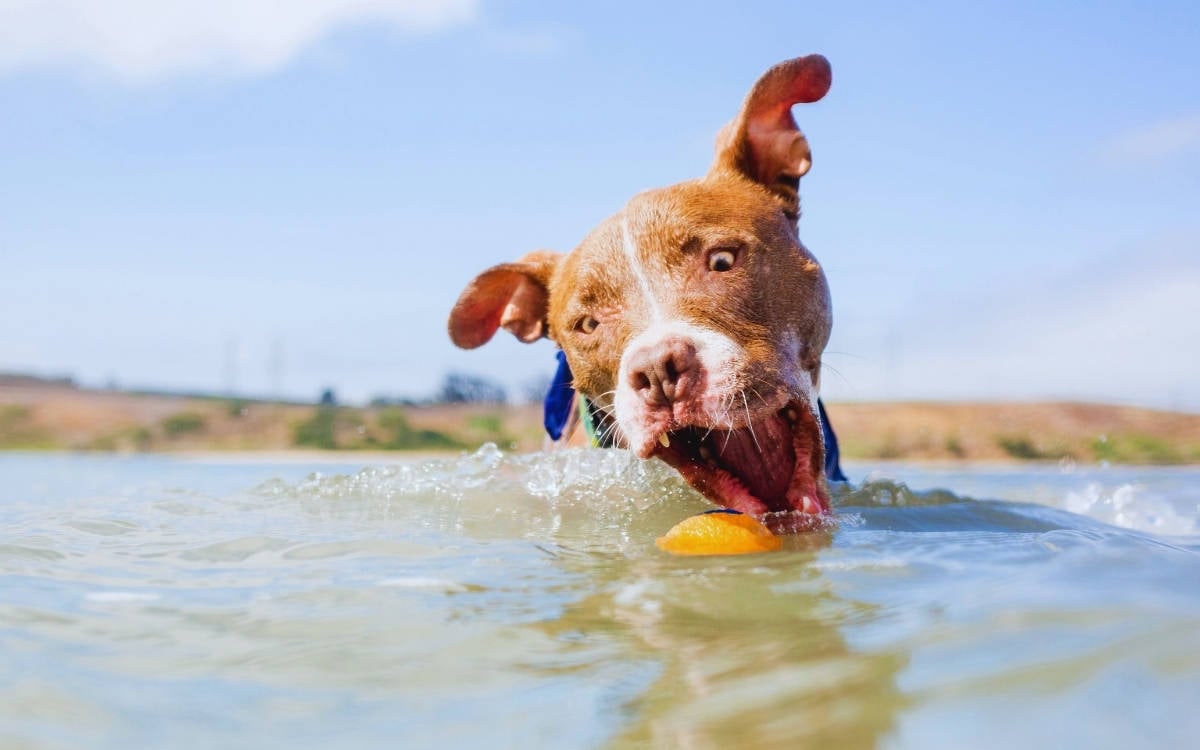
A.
x: 519, y: 601
x: 747, y: 655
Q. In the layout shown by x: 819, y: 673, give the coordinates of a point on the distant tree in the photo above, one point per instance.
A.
x: 462, y: 388
x: 328, y: 398
x: 318, y: 431
x: 183, y: 423
x: 399, y: 434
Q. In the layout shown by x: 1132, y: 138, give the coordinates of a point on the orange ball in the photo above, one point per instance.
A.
x: 718, y: 532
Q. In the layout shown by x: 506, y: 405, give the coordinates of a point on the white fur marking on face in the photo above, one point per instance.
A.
x: 718, y: 356
x: 635, y: 263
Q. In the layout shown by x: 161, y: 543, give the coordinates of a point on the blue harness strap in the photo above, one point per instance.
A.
x: 560, y: 400
x: 833, y: 458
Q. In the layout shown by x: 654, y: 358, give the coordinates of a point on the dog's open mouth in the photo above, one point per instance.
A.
x: 773, y: 466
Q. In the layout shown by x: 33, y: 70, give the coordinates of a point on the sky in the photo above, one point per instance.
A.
x: 279, y: 197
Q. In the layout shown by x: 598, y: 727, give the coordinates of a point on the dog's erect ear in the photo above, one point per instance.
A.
x: 514, y: 296
x: 763, y: 142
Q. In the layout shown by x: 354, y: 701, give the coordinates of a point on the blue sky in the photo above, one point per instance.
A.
x: 288, y: 196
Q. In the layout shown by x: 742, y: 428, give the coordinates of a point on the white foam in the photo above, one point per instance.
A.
x: 1130, y: 506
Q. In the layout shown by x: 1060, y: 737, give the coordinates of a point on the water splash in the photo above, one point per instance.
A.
x: 588, y: 499
x: 610, y: 499
x: 885, y: 493
x: 1132, y: 506
x: 581, y: 498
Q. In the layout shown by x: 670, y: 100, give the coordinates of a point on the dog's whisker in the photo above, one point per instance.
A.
x: 726, y: 402
x: 750, y: 422
x: 606, y: 411
x: 827, y: 353
x: 758, y: 399
x: 724, y: 410
x: 835, y: 371
x: 728, y: 432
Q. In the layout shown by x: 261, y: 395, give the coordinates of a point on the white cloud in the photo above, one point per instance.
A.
x: 143, y: 40
x: 1157, y: 141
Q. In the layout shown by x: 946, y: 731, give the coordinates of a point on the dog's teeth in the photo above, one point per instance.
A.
x: 792, y: 415
x: 664, y: 441
x: 705, y: 453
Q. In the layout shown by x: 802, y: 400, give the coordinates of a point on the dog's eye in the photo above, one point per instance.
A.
x: 721, y: 260
x: 586, y: 324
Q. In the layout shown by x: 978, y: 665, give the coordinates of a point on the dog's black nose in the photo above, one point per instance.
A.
x: 663, y: 372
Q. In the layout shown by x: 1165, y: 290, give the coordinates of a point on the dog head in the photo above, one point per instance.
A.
x: 694, y: 319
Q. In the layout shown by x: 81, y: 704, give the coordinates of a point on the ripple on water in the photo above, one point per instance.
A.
x: 450, y: 602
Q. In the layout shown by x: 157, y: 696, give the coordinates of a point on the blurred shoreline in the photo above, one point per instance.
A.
x: 58, y: 416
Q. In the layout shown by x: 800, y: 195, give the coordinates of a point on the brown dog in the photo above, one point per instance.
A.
x: 694, y: 320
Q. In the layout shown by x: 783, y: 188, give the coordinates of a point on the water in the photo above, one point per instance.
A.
x: 518, y: 601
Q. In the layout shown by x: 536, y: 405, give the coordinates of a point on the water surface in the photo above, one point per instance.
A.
x: 518, y: 601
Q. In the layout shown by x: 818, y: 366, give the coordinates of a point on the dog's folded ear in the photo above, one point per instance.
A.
x: 513, y: 296
x: 763, y: 141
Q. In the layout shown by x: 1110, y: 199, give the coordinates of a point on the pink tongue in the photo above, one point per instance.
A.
x: 764, y: 465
